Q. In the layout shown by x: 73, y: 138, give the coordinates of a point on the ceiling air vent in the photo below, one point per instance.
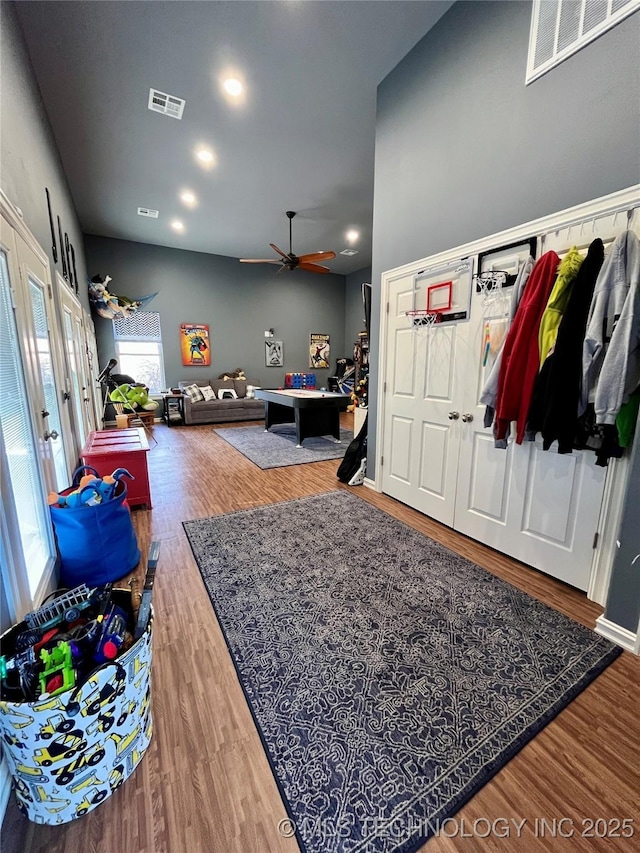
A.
x: 349, y: 252
x: 168, y: 105
x: 148, y: 211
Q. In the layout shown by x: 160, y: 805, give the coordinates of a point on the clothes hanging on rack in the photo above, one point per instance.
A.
x: 557, y: 304
x: 521, y: 358
x: 554, y: 404
x: 611, y: 352
x: 490, y: 390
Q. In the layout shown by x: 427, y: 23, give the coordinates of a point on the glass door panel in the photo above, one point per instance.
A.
x: 22, y: 484
x: 76, y: 386
x: 51, y: 415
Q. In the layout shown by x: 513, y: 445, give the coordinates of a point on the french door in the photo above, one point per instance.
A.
x: 28, y: 463
x: 77, y: 378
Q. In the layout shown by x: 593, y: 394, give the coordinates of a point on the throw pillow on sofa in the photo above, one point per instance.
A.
x: 227, y: 394
x: 194, y: 392
x: 208, y: 393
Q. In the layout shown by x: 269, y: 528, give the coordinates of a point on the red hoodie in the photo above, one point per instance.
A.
x: 521, y: 355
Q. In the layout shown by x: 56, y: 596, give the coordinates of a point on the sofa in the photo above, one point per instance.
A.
x: 238, y: 408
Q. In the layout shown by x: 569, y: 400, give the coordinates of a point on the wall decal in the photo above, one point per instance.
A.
x: 54, y: 247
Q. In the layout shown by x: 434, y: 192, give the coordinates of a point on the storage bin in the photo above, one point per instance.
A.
x: 97, y: 544
x: 68, y: 753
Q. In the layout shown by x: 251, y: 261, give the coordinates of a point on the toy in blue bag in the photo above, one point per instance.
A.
x: 91, y: 490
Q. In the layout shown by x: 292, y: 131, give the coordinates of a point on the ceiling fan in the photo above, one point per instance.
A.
x: 291, y: 261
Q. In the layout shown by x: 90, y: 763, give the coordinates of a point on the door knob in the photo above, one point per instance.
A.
x: 467, y: 417
x: 53, y: 434
x: 453, y: 416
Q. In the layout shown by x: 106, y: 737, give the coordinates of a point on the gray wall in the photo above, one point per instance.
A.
x: 623, y: 602
x: 464, y: 149
x: 29, y: 159
x: 353, y: 308
x: 237, y: 301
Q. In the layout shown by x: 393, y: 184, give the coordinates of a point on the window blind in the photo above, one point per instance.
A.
x: 139, y: 326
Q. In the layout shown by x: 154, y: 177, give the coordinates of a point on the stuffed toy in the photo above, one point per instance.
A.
x: 90, y: 491
x: 133, y: 397
x: 238, y: 373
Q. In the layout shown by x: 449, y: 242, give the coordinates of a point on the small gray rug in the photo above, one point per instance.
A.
x: 277, y: 447
x: 389, y: 678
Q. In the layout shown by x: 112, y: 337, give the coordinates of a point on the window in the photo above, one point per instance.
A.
x: 560, y: 28
x: 138, y: 341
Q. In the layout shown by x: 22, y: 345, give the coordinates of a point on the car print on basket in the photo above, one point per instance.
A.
x: 58, y: 724
x: 63, y: 748
x: 92, y: 799
x: 67, y: 774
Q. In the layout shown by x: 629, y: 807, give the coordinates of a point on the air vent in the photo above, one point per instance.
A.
x: 168, y: 105
x: 147, y: 211
x: 349, y: 252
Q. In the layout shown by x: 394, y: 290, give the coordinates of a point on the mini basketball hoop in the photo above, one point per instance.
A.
x: 424, y: 319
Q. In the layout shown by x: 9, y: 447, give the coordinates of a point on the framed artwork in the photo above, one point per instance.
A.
x: 194, y: 345
x: 319, y: 350
x: 273, y: 354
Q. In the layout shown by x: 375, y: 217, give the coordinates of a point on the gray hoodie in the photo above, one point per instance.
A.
x: 611, y: 352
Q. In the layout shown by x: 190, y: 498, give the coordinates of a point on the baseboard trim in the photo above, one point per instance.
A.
x: 617, y: 634
x: 370, y: 484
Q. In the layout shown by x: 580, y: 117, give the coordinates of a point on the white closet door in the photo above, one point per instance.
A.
x: 423, y: 388
x: 537, y: 506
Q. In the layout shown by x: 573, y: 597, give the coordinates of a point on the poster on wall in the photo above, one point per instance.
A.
x: 319, y: 350
x: 273, y: 354
x: 194, y: 344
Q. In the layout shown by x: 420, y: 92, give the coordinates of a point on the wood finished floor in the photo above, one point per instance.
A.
x: 205, y: 785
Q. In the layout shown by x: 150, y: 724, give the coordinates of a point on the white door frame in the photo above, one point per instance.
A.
x: 621, y: 202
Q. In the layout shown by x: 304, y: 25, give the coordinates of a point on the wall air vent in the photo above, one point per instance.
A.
x: 168, y: 105
x: 148, y: 211
x: 349, y: 252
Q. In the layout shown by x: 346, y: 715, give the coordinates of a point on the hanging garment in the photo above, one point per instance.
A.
x: 611, y: 352
x: 520, y: 360
x: 490, y: 390
x: 554, y: 404
x: 558, y: 301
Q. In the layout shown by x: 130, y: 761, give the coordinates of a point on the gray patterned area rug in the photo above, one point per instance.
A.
x: 277, y: 447
x: 389, y: 678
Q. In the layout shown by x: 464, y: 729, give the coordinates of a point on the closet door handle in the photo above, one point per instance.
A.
x: 467, y: 418
x: 453, y: 416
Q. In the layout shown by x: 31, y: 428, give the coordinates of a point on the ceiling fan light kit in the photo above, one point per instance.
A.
x: 292, y: 261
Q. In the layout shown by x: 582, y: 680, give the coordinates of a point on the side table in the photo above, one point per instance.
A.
x: 173, y: 408
x: 108, y: 449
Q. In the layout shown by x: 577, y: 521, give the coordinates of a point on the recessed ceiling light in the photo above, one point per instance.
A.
x: 177, y: 225
x: 204, y: 155
x: 233, y: 87
x: 188, y: 198
x: 352, y: 236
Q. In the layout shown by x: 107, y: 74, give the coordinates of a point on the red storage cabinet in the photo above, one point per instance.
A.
x: 108, y: 449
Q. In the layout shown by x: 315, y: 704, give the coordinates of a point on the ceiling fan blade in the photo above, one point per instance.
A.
x: 279, y: 251
x: 313, y: 267
x: 258, y: 261
x: 317, y: 256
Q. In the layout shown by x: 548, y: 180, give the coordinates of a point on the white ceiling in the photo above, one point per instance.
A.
x: 302, y: 140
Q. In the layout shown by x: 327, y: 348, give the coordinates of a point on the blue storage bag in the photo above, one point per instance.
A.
x: 97, y: 544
